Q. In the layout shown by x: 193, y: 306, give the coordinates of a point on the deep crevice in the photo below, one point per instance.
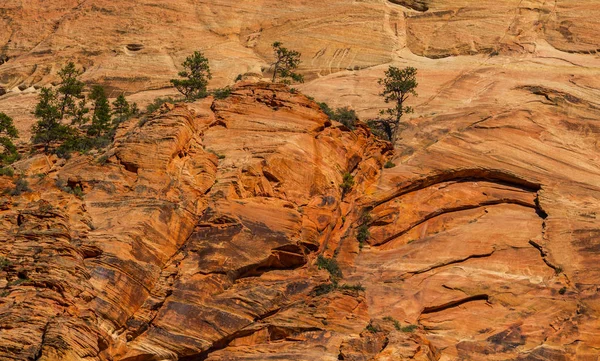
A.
x: 456, y: 303
x: 474, y: 256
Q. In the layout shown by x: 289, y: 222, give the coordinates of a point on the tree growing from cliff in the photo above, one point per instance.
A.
x: 195, y: 74
x: 398, y: 86
x: 286, y: 61
x: 101, y: 119
x: 69, y: 91
x: 49, y: 129
x: 8, y: 133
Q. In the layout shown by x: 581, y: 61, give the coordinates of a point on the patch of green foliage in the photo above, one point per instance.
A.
x: 409, y: 328
x: 4, y: 263
x: 345, y: 115
x: 123, y: 110
x: 324, y: 288
x: 75, y: 189
x: 222, y: 93
x: 7, y: 171
x: 562, y: 291
x: 347, y: 183
x: 331, y: 266
x: 8, y: 133
x: 396, y: 323
x: 363, y: 233
x: 158, y: 102
x: 21, y: 186
x: 372, y: 328
x: 389, y: 164
x: 103, y: 159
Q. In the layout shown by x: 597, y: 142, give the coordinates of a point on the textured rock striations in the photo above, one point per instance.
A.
x: 207, y: 249
x: 196, y: 236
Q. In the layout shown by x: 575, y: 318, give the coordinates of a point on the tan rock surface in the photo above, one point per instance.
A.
x: 197, y: 240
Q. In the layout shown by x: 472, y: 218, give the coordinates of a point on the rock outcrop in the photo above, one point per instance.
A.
x: 196, y: 236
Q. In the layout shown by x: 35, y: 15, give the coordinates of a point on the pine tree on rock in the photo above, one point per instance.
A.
x: 70, y: 90
x: 8, y: 133
x: 121, y: 109
x: 101, y: 119
x: 195, y: 74
x: 48, y: 129
x: 286, y: 61
x: 398, y: 85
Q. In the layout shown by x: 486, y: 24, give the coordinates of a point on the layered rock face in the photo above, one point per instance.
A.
x: 196, y: 236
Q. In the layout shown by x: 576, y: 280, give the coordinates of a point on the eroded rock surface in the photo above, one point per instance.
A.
x: 206, y: 250
x: 196, y: 235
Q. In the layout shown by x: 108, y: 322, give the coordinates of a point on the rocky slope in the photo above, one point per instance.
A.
x: 196, y: 235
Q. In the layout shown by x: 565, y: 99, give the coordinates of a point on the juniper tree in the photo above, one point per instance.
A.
x: 195, y: 74
x: 8, y: 133
x: 286, y: 61
x: 398, y: 85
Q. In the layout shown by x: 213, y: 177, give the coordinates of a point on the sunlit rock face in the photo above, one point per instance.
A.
x: 197, y: 233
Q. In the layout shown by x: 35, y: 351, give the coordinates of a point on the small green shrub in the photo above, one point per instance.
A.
x: 409, y: 328
x: 239, y: 78
x: 363, y: 233
x: 77, y: 191
x: 558, y: 270
x: 324, y: 288
x: 394, y: 321
x: 347, y: 183
x: 371, y: 328
x: 562, y: 291
x: 7, y: 171
x: 157, y: 103
x: 346, y: 116
x: 103, y: 159
x: 4, y: 263
x: 389, y: 164
x: 331, y: 266
x: 21, y: 186
x: 325, y: 108
x: 221, y: 93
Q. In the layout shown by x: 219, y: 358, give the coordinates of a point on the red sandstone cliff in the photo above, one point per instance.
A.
x: 206, y: 249
x: 198, y: 238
